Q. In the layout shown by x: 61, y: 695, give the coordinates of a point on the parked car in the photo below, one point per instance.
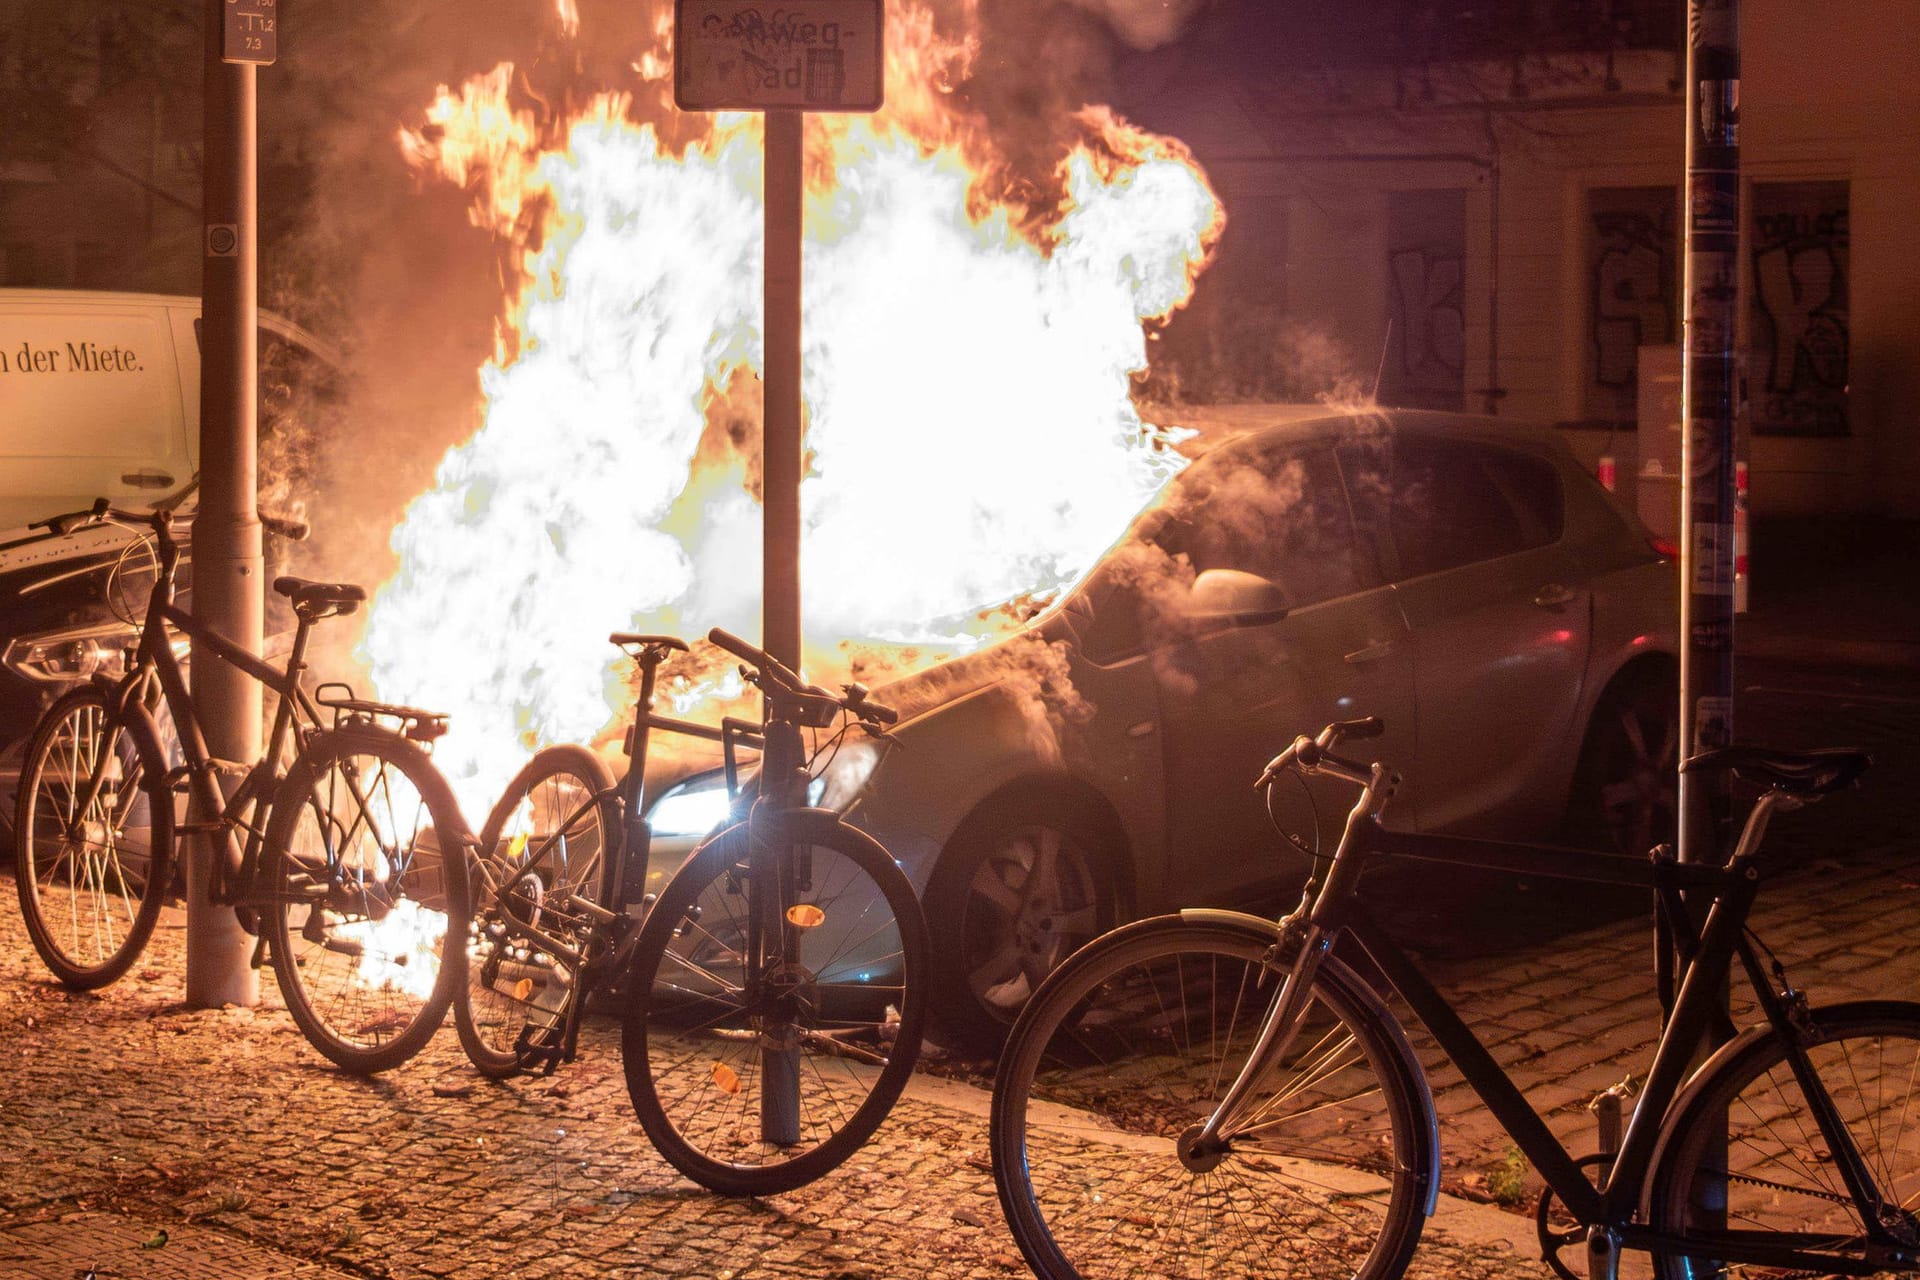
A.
x: 1462, y: 578
x: 101, y: 398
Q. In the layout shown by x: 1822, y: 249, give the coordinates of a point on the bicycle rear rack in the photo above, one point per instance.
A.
x: 413, y: 723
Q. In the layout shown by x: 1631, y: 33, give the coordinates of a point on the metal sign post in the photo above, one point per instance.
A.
x: 1709, y: 391
x: 227, y: 557
x: 806, y: 55
x: 1708, y: 395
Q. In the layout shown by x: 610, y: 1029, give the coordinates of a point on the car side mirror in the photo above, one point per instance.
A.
x: 1227, y: 598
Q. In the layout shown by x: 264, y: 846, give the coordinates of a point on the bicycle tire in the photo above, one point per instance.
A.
x: 1779, y: 1177
x: 91, y: 885
x: 1130, y: 1045
x: 700, y: 1007
x: 365, y: 875
x: 509, y: 989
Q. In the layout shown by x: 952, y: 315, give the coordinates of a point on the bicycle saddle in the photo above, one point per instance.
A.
x: 314, y: 600
x: 1799, y: 773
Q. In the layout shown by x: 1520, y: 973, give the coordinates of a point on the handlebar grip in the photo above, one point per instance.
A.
x: 290, y: 529
x: 878, y: 711
x: 1364, y: 727
x: 67, y: 522
x: 757, y: 657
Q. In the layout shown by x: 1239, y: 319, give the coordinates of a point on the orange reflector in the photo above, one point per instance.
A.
x: 523, y: 989
x: 804, y: 915
x: 725, y: 1078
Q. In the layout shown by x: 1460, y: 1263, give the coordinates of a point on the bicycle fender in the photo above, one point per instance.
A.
x: 135, y: 710
x: 1427, y: 1139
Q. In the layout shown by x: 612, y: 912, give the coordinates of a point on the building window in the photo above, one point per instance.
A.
x: 1797, y: 354
x: 1426, y: 270
x: 1632, y: 268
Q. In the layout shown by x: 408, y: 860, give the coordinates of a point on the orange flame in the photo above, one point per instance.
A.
x: 969, y: 345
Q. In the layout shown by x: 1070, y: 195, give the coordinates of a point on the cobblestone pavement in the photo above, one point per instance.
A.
x: 131, y: 1126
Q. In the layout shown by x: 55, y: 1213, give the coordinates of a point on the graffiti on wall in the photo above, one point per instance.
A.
x: 1798, y: 359
x: 1632, y: 295
x: 1429, y: 327
x: 1426, y: 357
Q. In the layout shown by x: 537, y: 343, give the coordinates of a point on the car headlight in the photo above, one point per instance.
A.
x: 699, y: 805
x: 692, y: 808
x: 63, y: 657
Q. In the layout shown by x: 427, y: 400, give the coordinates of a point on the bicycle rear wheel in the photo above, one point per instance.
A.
x: 1778, y: 1182
x: 547, y: 846
x: 776, y: 1002
x: 93, y: 839
x: 366, y: 868
x: 1126, y: 1050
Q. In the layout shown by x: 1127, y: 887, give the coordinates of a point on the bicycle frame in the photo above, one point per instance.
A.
x: 1330, y: 908
x: 156, y: 662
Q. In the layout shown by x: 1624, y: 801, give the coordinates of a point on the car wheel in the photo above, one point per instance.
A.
x: 1017, y: 891
x: 1625, y: 796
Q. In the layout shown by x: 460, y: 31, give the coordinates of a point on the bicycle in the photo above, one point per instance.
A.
x: 340, y: 874
x: 1268, y: 1113
x: 771, y: 998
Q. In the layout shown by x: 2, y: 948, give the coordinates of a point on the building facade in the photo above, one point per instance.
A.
x: 1504, y: 233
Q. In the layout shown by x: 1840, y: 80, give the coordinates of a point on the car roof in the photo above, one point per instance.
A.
x: 1219, y: 425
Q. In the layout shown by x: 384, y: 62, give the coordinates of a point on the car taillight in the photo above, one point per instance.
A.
x: 1665, y: 548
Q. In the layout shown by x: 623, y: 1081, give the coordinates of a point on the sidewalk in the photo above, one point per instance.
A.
x: 147, y: 1141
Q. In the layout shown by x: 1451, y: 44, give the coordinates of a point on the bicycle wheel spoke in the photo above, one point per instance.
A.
x: 90, y: 879
x: 1780, y: 1182
x: 768, y: 1033
x: 358, y: 950
x: 1123, y: 1055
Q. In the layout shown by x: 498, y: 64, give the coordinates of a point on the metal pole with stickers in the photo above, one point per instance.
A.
x: 228, y: 562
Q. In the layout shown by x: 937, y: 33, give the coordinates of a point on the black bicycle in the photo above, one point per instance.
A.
x: 330, y: 846
x: 772, y: 998
x: 1212, y: 1093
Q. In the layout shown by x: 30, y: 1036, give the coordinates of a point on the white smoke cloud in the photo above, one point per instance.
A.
x: 1145, y: 24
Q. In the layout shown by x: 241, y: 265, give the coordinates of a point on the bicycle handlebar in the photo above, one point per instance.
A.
x: 789, y: 682
x: 1315, y: 752
x: 158, y: 519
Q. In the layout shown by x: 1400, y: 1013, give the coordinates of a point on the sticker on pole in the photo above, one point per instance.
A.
x: 252, y: 31
x: 801, y: 55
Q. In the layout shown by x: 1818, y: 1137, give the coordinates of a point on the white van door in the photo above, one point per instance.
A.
x: 91, y: 405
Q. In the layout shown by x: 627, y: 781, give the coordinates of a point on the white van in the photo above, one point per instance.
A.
x: 100, y: 397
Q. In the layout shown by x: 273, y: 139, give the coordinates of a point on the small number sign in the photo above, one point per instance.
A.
x: 251, y: 31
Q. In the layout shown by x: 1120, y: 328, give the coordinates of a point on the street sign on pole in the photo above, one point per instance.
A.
x: 803, y: 55
x: 251, y: 32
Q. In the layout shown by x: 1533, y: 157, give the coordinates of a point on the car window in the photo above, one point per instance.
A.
x: 1280, y: 513
x: 1445, y: 503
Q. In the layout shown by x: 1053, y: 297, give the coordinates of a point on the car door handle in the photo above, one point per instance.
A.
x: 1552, y: 596
x: 1372, y: 653
x: 147, y: 479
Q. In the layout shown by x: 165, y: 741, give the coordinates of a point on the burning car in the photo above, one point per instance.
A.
x: 1462, y: 578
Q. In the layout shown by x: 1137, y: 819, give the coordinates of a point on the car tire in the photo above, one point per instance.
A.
x: 1625, y: 790
x: 996, y: 929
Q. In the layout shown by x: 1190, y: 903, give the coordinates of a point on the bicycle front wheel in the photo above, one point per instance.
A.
x: 1122, y: 1055
x: 365, y: 871
x: 776, y: 1001
x: 93, y: 839
x: 547, y: 848
x: 1745, y: 1163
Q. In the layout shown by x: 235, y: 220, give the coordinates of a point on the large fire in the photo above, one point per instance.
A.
x: 969, y: 345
